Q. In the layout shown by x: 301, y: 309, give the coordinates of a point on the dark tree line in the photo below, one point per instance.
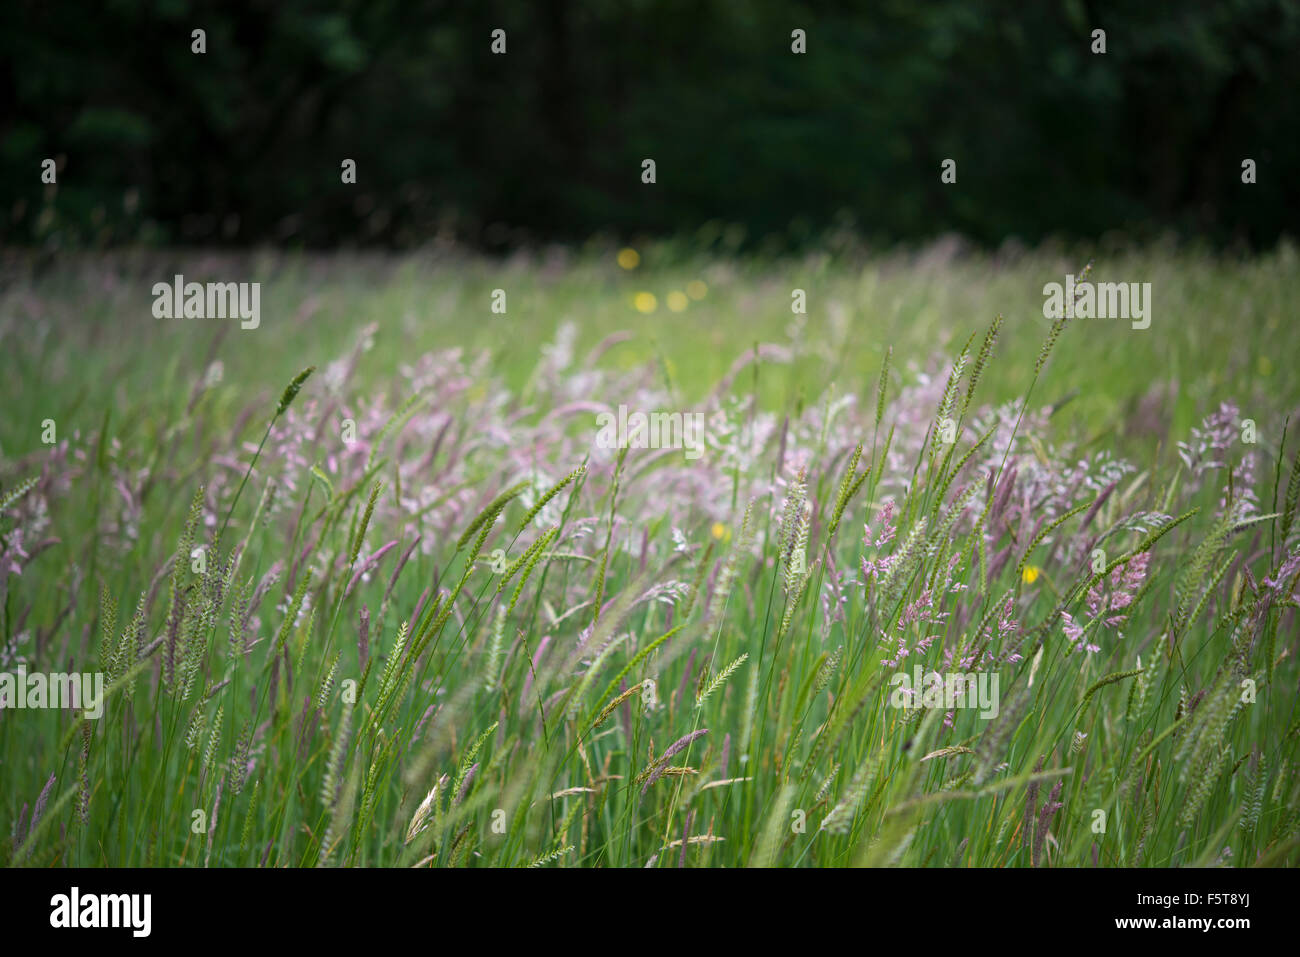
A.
x: 243, y: 143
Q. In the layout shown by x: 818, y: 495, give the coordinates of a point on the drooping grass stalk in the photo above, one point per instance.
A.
x: 286, y: 399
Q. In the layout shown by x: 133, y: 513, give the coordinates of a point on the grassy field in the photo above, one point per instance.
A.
x: 406, y: 609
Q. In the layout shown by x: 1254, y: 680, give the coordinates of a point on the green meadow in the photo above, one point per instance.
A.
x: 364, y: 589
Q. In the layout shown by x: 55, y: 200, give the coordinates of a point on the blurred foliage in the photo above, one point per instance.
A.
x: 243, y: 144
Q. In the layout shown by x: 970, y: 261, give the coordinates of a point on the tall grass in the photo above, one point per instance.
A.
x: 467, y: 636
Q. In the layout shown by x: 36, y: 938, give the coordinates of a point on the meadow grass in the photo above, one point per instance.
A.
x: 366, y: 591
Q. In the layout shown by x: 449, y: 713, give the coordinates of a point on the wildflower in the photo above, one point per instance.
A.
x: 921, y: 610
x: 879, y: 567
x: 1123, y: 586
x: 888, y: 531
x: 1074, y: 632
x: 1285, y: 577
x: 902, y: 651
x: 1030, y: 574
x: 834, y: 597
x: 1208, y: 446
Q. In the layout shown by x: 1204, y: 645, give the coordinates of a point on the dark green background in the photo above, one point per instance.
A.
x: 243, y: 145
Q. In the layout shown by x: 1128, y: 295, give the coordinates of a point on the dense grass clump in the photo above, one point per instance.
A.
x: 366, y: 590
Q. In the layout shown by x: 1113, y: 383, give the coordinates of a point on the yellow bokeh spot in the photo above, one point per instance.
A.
x: 1265, y: 365
x: 720, y: 531
x: 628, y: 258
x: 677, y: 301
x: 645, y: 302
x: 1030, y: 574
x: 696, y: 289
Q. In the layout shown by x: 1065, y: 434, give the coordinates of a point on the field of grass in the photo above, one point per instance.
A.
x: 366, y: 589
